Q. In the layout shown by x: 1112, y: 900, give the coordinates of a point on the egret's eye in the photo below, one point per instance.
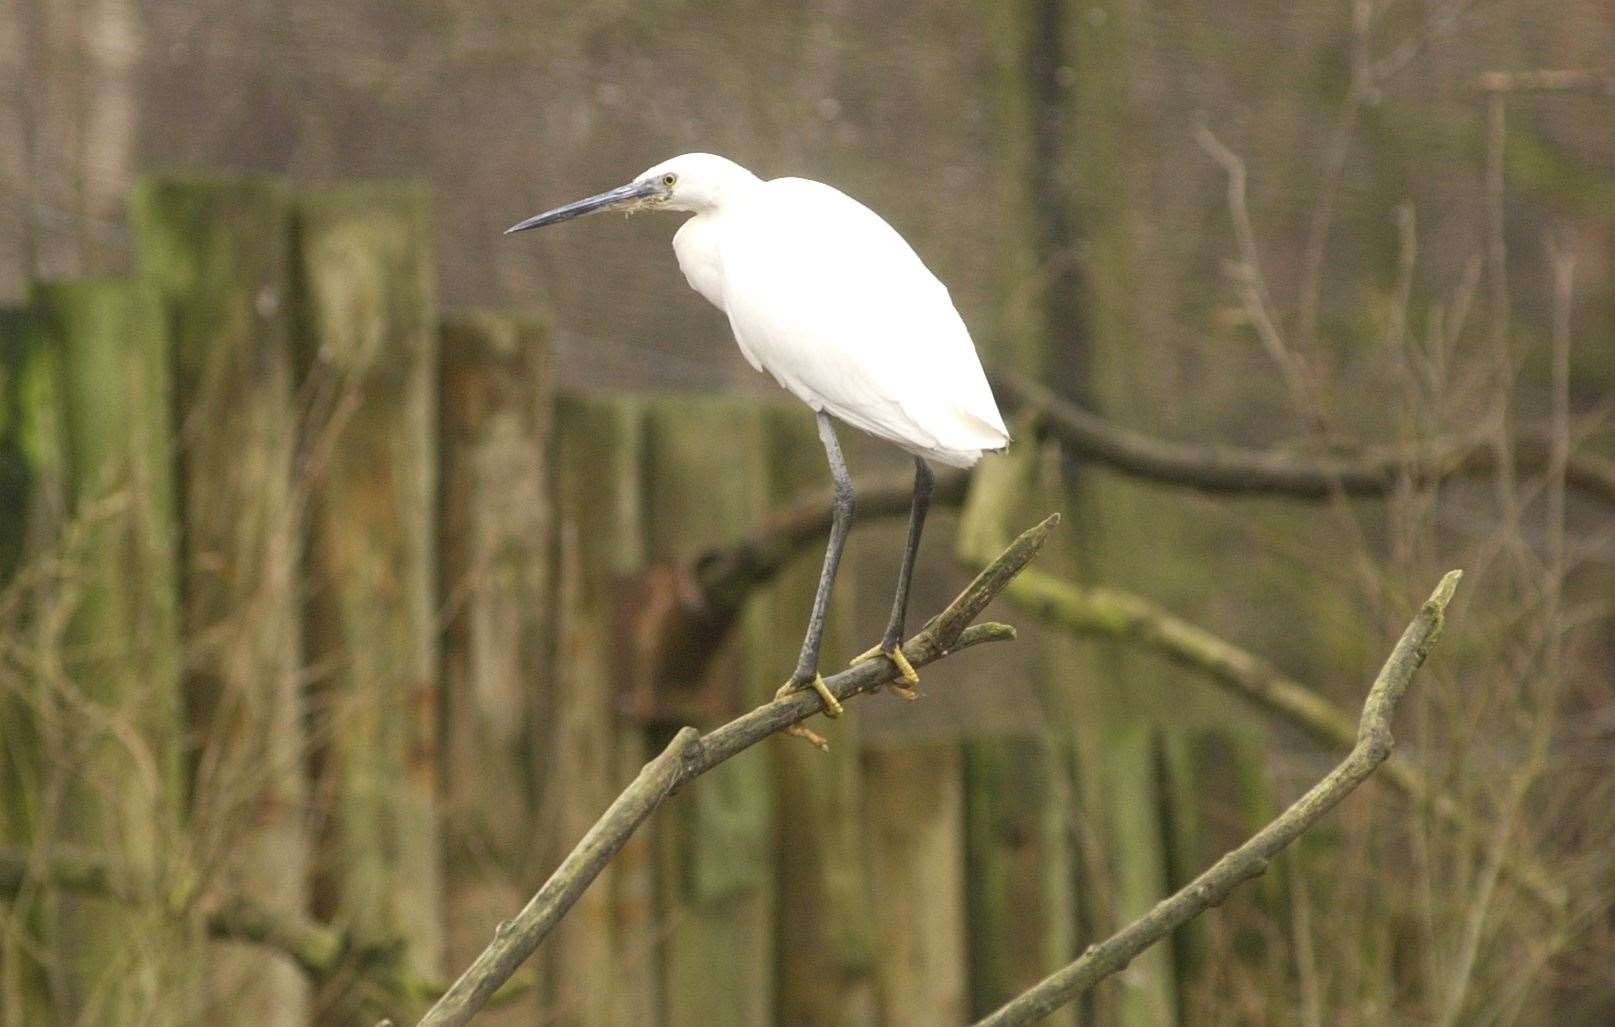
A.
x: 669, y: 178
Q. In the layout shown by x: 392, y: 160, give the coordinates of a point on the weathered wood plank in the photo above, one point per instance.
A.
x: 119, y: 653
x: 705, y: 485
x: 217, y: 253
x: 1018, y: 866
x: 915, y: 809
x: 31, y: 493
x: 601, y: 963
x: 367, y: 355
x: 494, y: 551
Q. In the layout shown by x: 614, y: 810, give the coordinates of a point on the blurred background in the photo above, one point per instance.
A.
x: 343, y: 541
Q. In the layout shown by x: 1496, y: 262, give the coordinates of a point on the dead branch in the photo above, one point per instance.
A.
x: 1373, y: 745
x: 691, y: 754
x: 321, y: 951
x: 1230, y: 470
x: 1545, y: 80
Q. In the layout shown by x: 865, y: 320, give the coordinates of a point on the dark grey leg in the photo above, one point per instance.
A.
x: 924, y: 483
x: 807, y: 664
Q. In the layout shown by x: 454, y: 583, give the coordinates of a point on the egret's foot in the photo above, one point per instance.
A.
x: 910, y: 677
x: 832, y: 705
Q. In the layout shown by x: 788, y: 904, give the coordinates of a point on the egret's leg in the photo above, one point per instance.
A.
x: 891, y: 646
x: 807, y: 664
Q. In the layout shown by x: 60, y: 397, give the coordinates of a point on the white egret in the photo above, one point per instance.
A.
x: 825, y: 296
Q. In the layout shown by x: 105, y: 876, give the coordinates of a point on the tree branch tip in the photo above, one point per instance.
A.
x: 991, y: 631
x: 1444, y: 591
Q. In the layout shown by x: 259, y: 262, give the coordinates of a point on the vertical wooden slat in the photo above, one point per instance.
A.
x: 1133, y: 814
x: 600, y: 963
x: 217, y: 252
x: 826, y: 927
x: 367, y: 342
x: 31, y: 495
x: 494, y: 554
x: 1182, y: 797
x: 705, y: 486
x: 1018, y: 867
x: 915, y: 808
x: 120, y: 693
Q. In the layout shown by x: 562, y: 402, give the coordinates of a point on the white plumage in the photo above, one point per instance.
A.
x: 827, y: 298
x: 830, y: 300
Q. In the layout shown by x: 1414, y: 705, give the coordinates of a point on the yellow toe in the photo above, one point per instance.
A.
x: 832, y: 705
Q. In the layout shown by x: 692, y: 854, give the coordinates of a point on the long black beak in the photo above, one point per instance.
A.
x: 623, y: 195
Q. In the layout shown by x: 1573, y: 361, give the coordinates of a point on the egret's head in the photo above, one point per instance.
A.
x: 693, y: 182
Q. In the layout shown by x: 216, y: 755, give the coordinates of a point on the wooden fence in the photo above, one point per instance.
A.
x: 323, y: 630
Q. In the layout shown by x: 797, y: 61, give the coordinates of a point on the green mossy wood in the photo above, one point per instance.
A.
x: 367, y: 360
x: 217, y: 253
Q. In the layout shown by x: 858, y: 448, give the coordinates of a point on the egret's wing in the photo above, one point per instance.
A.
x: 841, y: 311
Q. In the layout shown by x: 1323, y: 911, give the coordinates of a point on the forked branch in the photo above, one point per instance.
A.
x: 692, y: 754
x: 1373, y: 745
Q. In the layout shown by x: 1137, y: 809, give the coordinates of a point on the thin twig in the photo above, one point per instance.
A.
x: 1374, y: 743
x: 691, y: 754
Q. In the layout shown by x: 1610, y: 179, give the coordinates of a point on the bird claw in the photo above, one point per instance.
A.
x: 832, y: 705
x: 910, y: 677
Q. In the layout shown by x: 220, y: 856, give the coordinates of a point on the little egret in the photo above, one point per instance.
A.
x: 827, y: 298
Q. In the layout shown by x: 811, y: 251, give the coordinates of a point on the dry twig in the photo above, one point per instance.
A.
x: 1373, y: 745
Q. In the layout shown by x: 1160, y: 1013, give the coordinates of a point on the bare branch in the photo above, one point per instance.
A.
x: 1230, y: 470
x: 1373, y: 745
x: 1590, y: 83
x: 321, y: 951
x: 691, y: 754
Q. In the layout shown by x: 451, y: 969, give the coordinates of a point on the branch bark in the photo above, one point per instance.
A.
x: 1547, y: 80
x: 1373, y: 745
x: 691, y: 754
x: 1232, y: 470
x: 321, y: 951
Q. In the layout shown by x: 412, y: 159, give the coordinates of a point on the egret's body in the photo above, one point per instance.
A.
x: 835, y: 305
x: 830, y: 300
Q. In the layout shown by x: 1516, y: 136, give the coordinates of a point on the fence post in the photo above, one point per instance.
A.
x: 1018, y: 866
x: 826, y: 927
x: 602, y: 962
x: 705, y: 487
x: 30, y: 775
x: 916, y: 836
x: 217, y: 254
x: 119, y: 690
x: 367, y: 356
x: 494, y: 551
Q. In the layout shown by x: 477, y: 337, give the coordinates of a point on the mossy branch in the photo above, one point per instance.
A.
x: 1373, y: 744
